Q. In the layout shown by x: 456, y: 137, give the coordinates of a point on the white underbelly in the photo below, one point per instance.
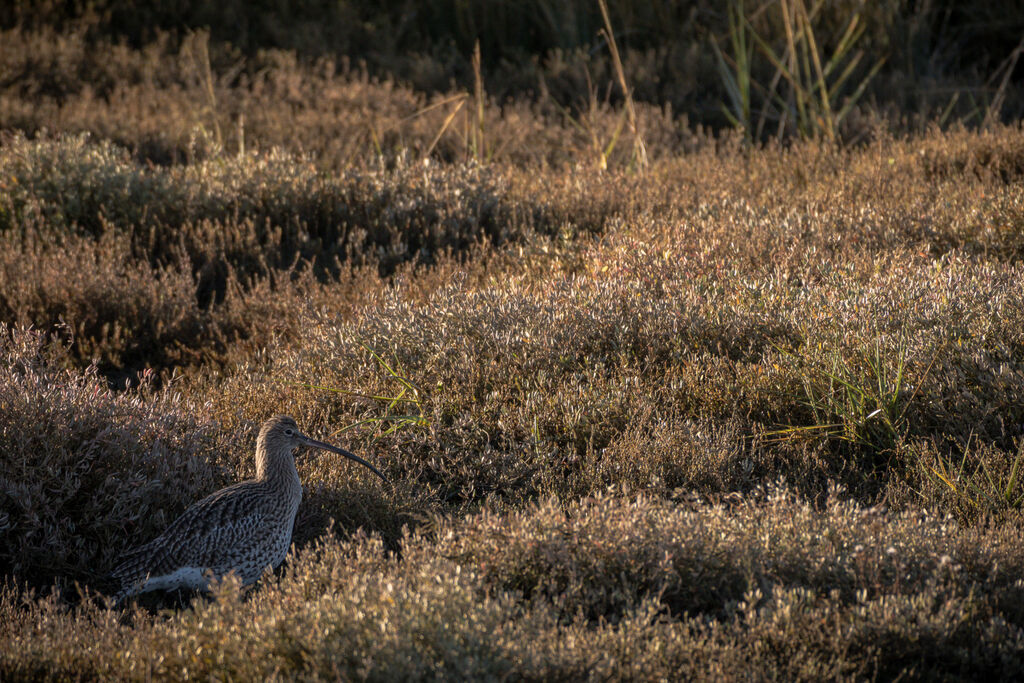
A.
x: 194, y: 578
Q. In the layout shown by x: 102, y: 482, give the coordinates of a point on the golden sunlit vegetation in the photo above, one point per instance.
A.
x: 655, y: 401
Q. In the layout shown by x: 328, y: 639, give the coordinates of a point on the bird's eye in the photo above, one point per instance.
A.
x: 288, y: 432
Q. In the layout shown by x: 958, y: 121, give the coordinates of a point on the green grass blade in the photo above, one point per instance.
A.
x: 846, y: 43
x: 859, y: 91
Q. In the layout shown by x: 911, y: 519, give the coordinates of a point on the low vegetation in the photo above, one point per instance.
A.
x: 746, y: 411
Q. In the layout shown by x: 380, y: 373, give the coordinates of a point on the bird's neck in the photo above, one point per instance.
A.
x: 277, y: 471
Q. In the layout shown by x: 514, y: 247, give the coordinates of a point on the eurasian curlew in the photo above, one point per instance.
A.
x: 242, y: 528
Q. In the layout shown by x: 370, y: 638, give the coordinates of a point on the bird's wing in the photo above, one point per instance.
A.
x: 214, y: 527
x: 207, y: 534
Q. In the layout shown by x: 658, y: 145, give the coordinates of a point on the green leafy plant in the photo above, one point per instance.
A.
x: 735, y: 69
x: 981, y: 488
x: 863, y: 404
x: 401, y: 411
x: 817, y: 82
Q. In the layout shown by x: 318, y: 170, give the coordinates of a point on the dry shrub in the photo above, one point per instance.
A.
x: 600, y: 556
x: 125, y: 315
x: 768, y: 585
x: 204, y: 256
x: 161, y: 103
x: 85, y: 468
x: 262, y: 209
x: 236, y: 222
x: 995, y: 153
x: 939, y: 59
x: 121, y: 313
x: 546, y: 377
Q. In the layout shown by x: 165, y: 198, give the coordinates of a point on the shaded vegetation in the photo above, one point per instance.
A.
x: 941, y: 58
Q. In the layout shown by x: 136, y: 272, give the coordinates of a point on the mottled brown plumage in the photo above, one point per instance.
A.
x: 243, y: 528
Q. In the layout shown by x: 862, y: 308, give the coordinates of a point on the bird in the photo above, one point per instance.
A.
x: 243, y: 528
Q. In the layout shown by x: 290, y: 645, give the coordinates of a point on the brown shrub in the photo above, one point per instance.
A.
x: 85, y: 468
x: 769, y: 585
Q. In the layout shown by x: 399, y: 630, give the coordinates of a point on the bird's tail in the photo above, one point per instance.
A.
x: 129, y: 576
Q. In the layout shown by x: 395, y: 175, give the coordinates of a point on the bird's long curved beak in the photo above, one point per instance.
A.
x: 313, y: 443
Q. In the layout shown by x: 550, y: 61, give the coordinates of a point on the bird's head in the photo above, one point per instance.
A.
x: 280, y: 437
